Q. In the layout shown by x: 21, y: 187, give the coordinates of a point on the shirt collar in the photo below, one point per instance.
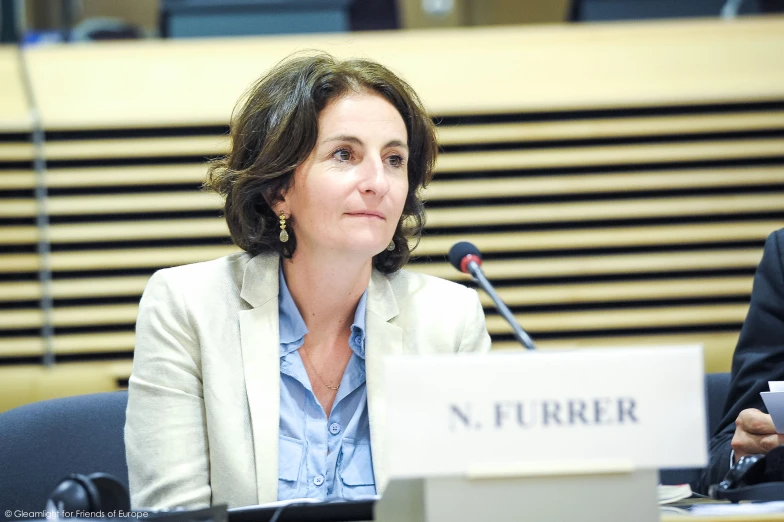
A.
x: 292, y: 328
x: 357, y: 339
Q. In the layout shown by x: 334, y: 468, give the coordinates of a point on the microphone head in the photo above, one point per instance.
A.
x: 460, y: 251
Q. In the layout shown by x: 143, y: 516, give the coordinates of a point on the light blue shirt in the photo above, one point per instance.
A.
x: 326, y: 459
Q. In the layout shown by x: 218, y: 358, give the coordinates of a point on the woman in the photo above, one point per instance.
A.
x: 256, y: 376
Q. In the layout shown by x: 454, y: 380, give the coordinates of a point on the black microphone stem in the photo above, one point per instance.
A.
x: 519, y: 333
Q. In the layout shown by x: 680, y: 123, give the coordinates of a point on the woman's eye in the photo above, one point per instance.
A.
x: 395, y: 160
x: 342, y: 154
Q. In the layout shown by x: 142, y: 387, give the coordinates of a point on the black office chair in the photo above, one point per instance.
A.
x: 44, y: 442
x: 716, y: 388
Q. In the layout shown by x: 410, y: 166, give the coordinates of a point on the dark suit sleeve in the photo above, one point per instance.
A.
x: 758, y: 358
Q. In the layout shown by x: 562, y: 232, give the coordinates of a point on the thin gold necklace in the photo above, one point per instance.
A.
x: 335, y: 388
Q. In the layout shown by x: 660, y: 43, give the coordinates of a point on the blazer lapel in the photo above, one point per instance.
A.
x: 261, y: 364
x: 382, y: 339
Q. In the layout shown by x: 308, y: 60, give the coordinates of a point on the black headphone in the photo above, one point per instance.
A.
x: 753, y: 477
x: 89, y: 496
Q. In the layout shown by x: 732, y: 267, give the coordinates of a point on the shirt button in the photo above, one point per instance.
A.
x: 318, y: 480
x: 334, y: 428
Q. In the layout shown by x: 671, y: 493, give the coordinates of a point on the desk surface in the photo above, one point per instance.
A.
x: 686, y: 503
x: 772, y: 517
x: 363, y: 512
x: 359, y: 511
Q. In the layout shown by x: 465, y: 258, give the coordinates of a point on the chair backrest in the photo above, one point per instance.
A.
x: 716, y: 389
x: 43, y: 442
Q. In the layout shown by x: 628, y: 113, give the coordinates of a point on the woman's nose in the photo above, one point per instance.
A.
x: 374, y: 177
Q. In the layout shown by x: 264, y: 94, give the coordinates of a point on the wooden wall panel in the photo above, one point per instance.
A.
x: 20, y: 290
x: 621, y: 179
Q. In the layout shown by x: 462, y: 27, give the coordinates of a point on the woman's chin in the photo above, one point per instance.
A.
x: 368, y: 248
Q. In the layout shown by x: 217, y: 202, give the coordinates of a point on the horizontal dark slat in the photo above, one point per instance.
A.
x: 137, y: 147
x: 623, y: 318
x: 652, y: 125
x: 650, y: 263
x: 604, y: 210
x: 603, y: 238
x: 616, y: 182
x: 457, y: 162
x: 126, y: 176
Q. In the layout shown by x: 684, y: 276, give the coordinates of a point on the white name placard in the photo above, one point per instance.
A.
x: 455, y: 414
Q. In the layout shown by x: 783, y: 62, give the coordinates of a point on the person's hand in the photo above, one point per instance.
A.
x: 754, y: 433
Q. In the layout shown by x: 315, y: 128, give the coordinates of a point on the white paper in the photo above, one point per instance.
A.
x: 774, y: 402
x: 670, y: 494
x: 776, y: 386
x: 737, y: 509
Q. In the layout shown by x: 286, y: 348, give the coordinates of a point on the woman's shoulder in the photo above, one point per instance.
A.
x: 203, y: 277
x: 438, y: 315
x: 408, y: 284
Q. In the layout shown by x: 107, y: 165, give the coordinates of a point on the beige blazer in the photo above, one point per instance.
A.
x: 204, y: 395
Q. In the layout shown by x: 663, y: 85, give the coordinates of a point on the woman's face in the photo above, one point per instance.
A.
x: 348, y: 196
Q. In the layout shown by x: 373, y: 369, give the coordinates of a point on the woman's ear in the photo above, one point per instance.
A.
x: 277, y: 203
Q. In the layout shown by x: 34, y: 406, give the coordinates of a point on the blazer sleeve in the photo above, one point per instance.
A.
x: 758, y: 358
x: 475, y: 336
x: 165, y: 430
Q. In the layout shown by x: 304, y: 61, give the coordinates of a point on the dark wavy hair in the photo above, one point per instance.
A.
x: 274, y: 130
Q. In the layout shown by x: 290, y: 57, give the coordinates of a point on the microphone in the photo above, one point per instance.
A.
x: 466, y: 257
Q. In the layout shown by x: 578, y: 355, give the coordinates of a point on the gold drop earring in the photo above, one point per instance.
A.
x: 284, y: 236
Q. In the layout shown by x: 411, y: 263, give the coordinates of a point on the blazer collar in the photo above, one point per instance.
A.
x: 261, y: 367
x: 381, y: 297
x: 382, y: 338
x: 260, y: 279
